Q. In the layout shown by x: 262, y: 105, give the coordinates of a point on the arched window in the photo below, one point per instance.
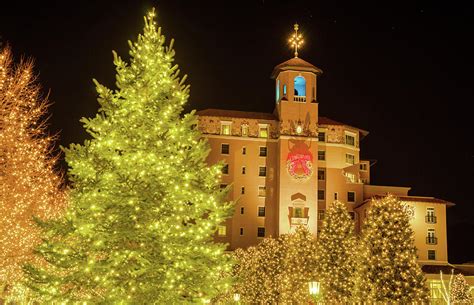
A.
x: 278, y: 91
x: 300, y: 86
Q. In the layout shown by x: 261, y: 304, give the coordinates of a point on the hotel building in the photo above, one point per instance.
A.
x: 285, y: 168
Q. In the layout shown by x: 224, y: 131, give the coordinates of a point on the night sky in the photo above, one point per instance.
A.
x: 402, y: 70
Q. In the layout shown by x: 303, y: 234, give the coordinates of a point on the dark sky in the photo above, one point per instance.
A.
x: 402, y: 70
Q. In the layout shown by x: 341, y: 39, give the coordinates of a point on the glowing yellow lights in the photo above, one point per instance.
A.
x: 144, y: 205
x: 29, y: 186
x: 296, y: 40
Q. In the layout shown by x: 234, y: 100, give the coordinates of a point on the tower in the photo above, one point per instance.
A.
x: 297, y: 111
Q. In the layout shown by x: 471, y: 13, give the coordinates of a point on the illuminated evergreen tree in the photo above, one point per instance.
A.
x: 276, y: 271
x: 29, y: 185
x: 336, y: 254
x: 299, y: 265
x: 460, y: 291
x: 144, y: 204
x: 388, y: 270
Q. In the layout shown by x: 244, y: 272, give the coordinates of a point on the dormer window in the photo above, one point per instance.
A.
x: 245, y: 130
x: 263, y: 130
x: 225, y: 128
x: 300, y: 89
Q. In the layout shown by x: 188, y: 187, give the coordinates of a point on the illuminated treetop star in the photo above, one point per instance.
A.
x: 296, y: 40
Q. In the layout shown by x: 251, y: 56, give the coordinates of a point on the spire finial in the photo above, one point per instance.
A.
x: 296, y: 39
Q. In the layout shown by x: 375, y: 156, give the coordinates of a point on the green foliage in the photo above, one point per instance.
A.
x: 336, y: 254
x: 144, y: 204
x: 388, y: 270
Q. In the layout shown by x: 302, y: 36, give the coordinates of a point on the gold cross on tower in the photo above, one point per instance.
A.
x: 296, y: 40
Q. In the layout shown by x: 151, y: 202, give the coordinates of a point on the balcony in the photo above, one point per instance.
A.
x: 431, y: 240
x: 296, y: 221
x: 430, y: 219
x: 299, y: 99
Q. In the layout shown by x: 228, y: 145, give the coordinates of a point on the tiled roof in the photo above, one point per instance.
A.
x: 327, y: 121
x: 418, y: 199
x: 263, y: 116
x: 237, y: 114
x: 295, y: 63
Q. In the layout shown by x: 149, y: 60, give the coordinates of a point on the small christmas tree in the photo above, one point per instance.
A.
x: 460, y: 291
x: 277, y: 271
x: 388, y: 269
x: 299, y: 265
x: 336, y: 254
x: 29, y: 185
x: 144, y: 204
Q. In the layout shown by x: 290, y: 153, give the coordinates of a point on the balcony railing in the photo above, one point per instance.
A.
x: 430, y: 219
x: 431, y: 240
x: 299, y: 221
x: 300, y: 99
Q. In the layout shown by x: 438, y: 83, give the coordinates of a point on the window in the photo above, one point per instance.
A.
x: 245, y: 130
x: 351, y: 196
x: 430, y: 215
x: 241, y: 231
x: 242, y: 190
x: 260, y: 232
x: 225, y: 148
x: 225, y: 128
x: 221, y: 230
x: 242, y: 210
x: 243, y: 170
x: 350, y: 159
x: 284, y: 89
x: 278, y: 90
x: 244, y: 150
x: 321, y: 214
x: 352, y: 214
x: 321, y: 136
x: 262, y: 191
x: 225, y: 169
x: 262, y: 171
x: 298, y: 212
x: 432, y: 255
x: 261, y: 211
x: 320, y: 194
x: 363, y: 167
x: 431, y: 239
x: 335, y: 196
x: 351, y: 177
x: 321, y: 155
x: 263, y: 151
x: 263, y: 131
x: 300, y: 86
x: 321, y: 174
x: 350, y: 140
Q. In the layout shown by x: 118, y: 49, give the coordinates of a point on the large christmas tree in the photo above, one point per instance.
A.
x: 336, y: 254
x: 29, y: 185
x: 388, y: 270
x: 144, y: 204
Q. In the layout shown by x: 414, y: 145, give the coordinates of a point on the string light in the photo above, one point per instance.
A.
x: 387, y: 269
x: 276, y: 271
x: 144, y: 204
x: 29, y: 185
x: 336, y: 254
